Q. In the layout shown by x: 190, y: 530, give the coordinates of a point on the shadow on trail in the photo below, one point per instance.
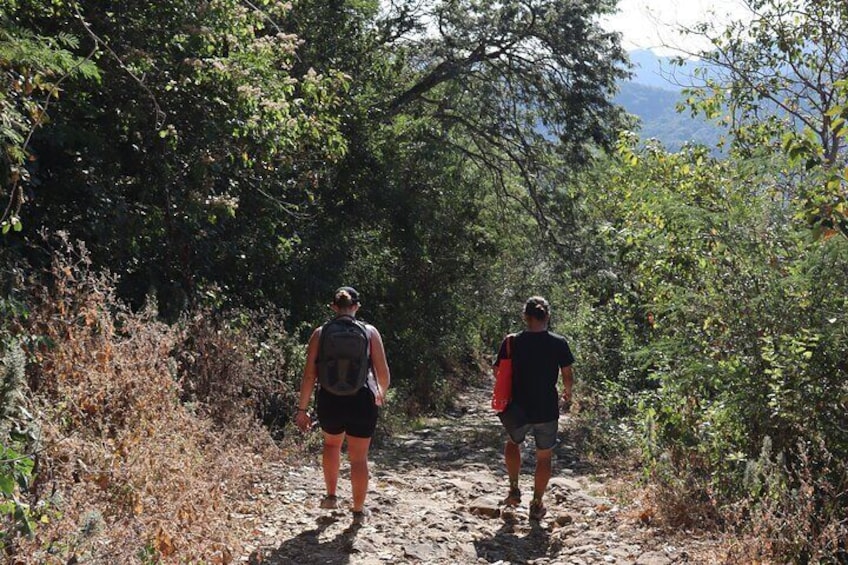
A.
x: 447, y: 444
x: 513, y: 547
x: 472, y: 437
x: 307, y: 547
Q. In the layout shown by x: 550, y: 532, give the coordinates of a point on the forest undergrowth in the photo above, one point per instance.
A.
x: 143, y: 436
x: 137, y: 440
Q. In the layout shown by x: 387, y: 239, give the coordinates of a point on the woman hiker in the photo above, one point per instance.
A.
x: 353, y: 376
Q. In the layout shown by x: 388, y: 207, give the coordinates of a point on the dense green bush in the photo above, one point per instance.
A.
x: 726, y: 327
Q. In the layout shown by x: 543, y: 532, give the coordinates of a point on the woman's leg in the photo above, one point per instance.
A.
x: 357, y: 451
x: 330, y: 460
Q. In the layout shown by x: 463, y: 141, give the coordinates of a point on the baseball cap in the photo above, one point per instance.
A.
x: 339, y: 296
x: 537, y: 307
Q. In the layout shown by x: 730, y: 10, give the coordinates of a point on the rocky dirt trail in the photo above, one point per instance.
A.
x: 434, y: 496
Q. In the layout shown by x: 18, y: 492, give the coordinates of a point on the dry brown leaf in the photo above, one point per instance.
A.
x: 164, y: 543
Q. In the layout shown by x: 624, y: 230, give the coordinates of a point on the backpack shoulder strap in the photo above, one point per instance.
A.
x: 509, y: 339
x: 367, y: 329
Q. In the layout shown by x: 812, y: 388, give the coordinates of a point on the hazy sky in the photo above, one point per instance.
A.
x: 650, y: 24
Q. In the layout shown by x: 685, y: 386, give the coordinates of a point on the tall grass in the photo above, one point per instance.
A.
x: 149, y: 435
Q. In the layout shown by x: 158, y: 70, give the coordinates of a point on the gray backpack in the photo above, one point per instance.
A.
x: 343, y: 361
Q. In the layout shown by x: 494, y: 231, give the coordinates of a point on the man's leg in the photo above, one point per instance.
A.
x: 512, y: 458
x: 543, y: 473
x: 330, y: 460
x: 357, y: 451
x: 545, y: 435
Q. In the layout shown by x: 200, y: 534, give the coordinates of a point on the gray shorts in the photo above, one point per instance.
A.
x: 545, y: 434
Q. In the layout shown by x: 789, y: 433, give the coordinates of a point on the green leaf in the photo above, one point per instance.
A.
x: 7, y: 485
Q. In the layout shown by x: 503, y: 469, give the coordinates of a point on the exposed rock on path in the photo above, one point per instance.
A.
x: 434, y: 497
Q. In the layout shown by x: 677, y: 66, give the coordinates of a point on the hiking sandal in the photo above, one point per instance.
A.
x: 330, y: 502
x: 513, y: 498
x: 537, y: 510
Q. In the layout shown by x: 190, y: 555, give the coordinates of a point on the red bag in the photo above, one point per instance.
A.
x: 503, y: 380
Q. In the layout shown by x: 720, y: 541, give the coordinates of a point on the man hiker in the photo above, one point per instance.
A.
x: 539, y: 357
x: 347, y: 359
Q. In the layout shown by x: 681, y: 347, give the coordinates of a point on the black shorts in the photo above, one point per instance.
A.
x: 355, y: 415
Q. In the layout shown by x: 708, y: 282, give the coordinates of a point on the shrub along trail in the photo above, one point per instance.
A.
x: 435, y: 496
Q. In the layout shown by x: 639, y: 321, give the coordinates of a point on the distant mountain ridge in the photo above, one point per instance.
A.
x: 654, y: 70
x: 652, y: 94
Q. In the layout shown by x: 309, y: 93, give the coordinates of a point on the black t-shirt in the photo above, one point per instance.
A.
x: 537, y: 358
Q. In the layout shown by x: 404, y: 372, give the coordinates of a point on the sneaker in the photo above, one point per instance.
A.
x: 513, y: 498
x: 361, y: 516
x: 537, y: 510
x: 330, y: 502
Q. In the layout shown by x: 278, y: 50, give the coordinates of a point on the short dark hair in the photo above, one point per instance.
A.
x: 537, y: 307
x: 345, y: 297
